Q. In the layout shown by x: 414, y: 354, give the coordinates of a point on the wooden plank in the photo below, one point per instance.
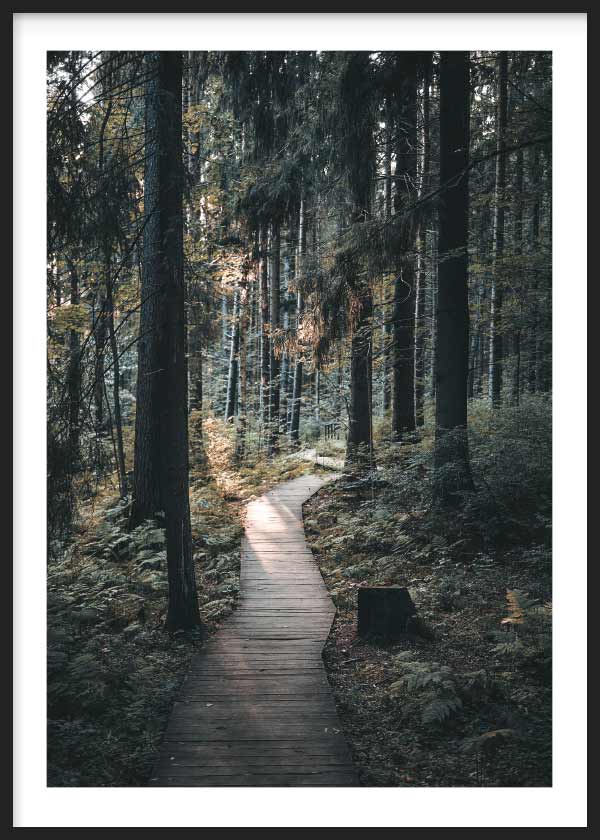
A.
x: 180, y: 765
x: 261, y: 748
x: 227, y: 734
x: 176, y: 769
x: 253, y: 706
x: 273, y: 779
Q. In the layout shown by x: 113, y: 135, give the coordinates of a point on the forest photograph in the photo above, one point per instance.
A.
x: 299, y: 374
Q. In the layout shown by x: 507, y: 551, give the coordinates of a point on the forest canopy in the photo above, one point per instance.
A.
x: 311, y: 190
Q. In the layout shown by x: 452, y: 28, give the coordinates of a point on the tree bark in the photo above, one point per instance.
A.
x: 146, y: 477
x: 299, y: 367
x: 419, y: 355
x: 387, y: 326
x: 543, y: 354
x: 359, y: 445
x: 451, y: 461
x: 433, y: 322
x: 359, y: 156
x: 403, y: 409
x: 421, y: 242
x: 297, y: 392
x: 535, y: 234
x: 116, y: 370
x: 74, y: 371
x: 285, y: 359
x: 273, y: 443
x: 224, y: 356
x: 403, y: 331
x: 515, y: 393
x: 166, y: 376
x: 496, y: 360
x: 232, y: 376
x: 265, y: 326
x: 99, y: 350
x: 240, y: 434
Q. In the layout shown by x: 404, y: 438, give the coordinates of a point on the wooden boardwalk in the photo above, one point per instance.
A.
x: 256, y: 708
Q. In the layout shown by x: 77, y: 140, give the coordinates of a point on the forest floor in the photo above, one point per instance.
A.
x: 112, y: 670
x: 467, y: 701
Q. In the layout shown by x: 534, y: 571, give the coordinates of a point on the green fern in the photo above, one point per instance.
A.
x: 511, y: 646
x: 441, y: 709
x: 433, y: 683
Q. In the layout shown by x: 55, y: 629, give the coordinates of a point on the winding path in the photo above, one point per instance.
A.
x: 256, y: 708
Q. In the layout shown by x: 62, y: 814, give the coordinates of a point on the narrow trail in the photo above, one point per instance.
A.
x: 321, y: 460
x: 256, y: 708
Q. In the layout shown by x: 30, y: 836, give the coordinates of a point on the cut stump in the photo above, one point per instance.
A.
x: 384, y: 611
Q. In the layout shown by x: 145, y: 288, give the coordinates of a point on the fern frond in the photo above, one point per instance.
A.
x: 441, y: 709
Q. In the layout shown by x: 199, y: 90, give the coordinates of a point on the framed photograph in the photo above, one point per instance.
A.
x: 300, y: 311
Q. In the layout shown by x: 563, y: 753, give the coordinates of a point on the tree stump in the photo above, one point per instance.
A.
x: 384, y: 611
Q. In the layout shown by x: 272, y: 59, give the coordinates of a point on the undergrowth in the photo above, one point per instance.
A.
x: 112, y: 670
x: 467, y: 701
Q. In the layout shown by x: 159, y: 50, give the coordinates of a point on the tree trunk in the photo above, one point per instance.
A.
x: 543, y: 354
x: 297, y: 393
x: 360, y: 160
x: 256, y: 359
x: 535, y: 234
x: 476, y: 344
x: 299, y: 368
x: 99, y: 350
x: 116, y: 387
x: 451, y: 461
x: 515, y: 392
x: 403, y: 331
x: 224, y: 345
x: 421, y: 241
x: 103, y: 310
x: 240, y: 434
x: 386, y: 340
x: 433, y: 320
x: 273, y: 444
x: 232, y: 377
x: 265, y: 366
x: 193, y: 210
x: 496, y: 360
x: 166, y: 377
x: 473, y: 355
x: 387, y: 327
x: 146, y: 471
x: 285, y: 359
x: 196, y: 382
x: 74, y: 372
x: 419, y: 372
x: 252, y: 342
x: 359, y: 444
x: 403, y: 410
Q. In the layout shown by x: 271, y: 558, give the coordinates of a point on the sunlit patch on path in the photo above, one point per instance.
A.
x: 321, y: 460
x: 256, y: 708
